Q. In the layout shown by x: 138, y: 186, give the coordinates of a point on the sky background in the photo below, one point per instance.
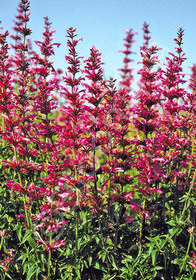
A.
x: 103, y: 23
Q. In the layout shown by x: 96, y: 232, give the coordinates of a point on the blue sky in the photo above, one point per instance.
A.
x: 103, y: 22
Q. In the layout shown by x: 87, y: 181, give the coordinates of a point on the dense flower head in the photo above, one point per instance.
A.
x: 173, y: 76
x: 46, y: 46
x: 22, y: 19
x: 72, y: 58
x: 93, y: 68
x: 149, y: 94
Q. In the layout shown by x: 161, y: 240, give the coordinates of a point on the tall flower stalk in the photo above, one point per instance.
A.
x: 95, y: 93
x: 18, y: 136
x: 72, y: 117
x: 174, y: 123
x: 127, y: 72
x: 145, y: 120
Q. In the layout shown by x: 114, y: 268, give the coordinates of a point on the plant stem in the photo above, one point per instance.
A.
x: 186, y: 256
x: 24, y: 200
x: 49, y: 259
x: 187, y: 197
x: 141, y: 223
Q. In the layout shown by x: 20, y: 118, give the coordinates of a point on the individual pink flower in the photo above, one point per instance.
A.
x: 54, y: 244
x: 193, y: 259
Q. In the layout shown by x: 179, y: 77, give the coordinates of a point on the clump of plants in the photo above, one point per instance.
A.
x: 97, y: 179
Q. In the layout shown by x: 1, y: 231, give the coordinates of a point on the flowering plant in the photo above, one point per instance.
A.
x: 95, y: 184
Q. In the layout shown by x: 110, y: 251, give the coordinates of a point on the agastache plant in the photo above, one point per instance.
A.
x: 145, y: 120
x: 17, y: 123
x: 176, y: 139
x: 72, y: 117
x: 32, y: 124
x: 95, y: 93
x: 95, y: 186
x: 46, y: 131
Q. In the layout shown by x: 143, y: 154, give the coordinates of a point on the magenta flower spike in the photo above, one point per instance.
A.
x: 6, y: 88
x: 117, y: 145
x: 173, y: 78
x: 95, y: 89
x: 146, y: 34
x: 127, y: 76
x: 72, y: 117
x: 149, y: 95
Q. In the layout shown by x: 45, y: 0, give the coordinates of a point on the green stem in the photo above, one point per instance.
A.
x: 49, y: 260
x: 103, y: 245
x: 94, y: 168
x: 1, y: 244
x: 141, y: 223
x: 3, y: 129
x: 186, y: 256
x: 77, y: 222
x: 77, y: 203
x: 24, y: 199
x: 117, y: 231
x: 76, y: 233
x: 187, y: 197
x: 109, y: 188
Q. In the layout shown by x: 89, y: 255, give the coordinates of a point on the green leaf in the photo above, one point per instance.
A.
x: 172, y: 223
x: 109, y: 277
x: 162, y: 243
x: 127, y: 258
x: 156, y: 268
x: 153, y: 255
x: 113, y: 262
x: 173, y: 231
x: 19, y: 233
x: 90, y: 259
x: 26, y: 236
x: 178, y: 261
x: 97, y: 265
x: 31, y: 272
x: 102, y: 255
